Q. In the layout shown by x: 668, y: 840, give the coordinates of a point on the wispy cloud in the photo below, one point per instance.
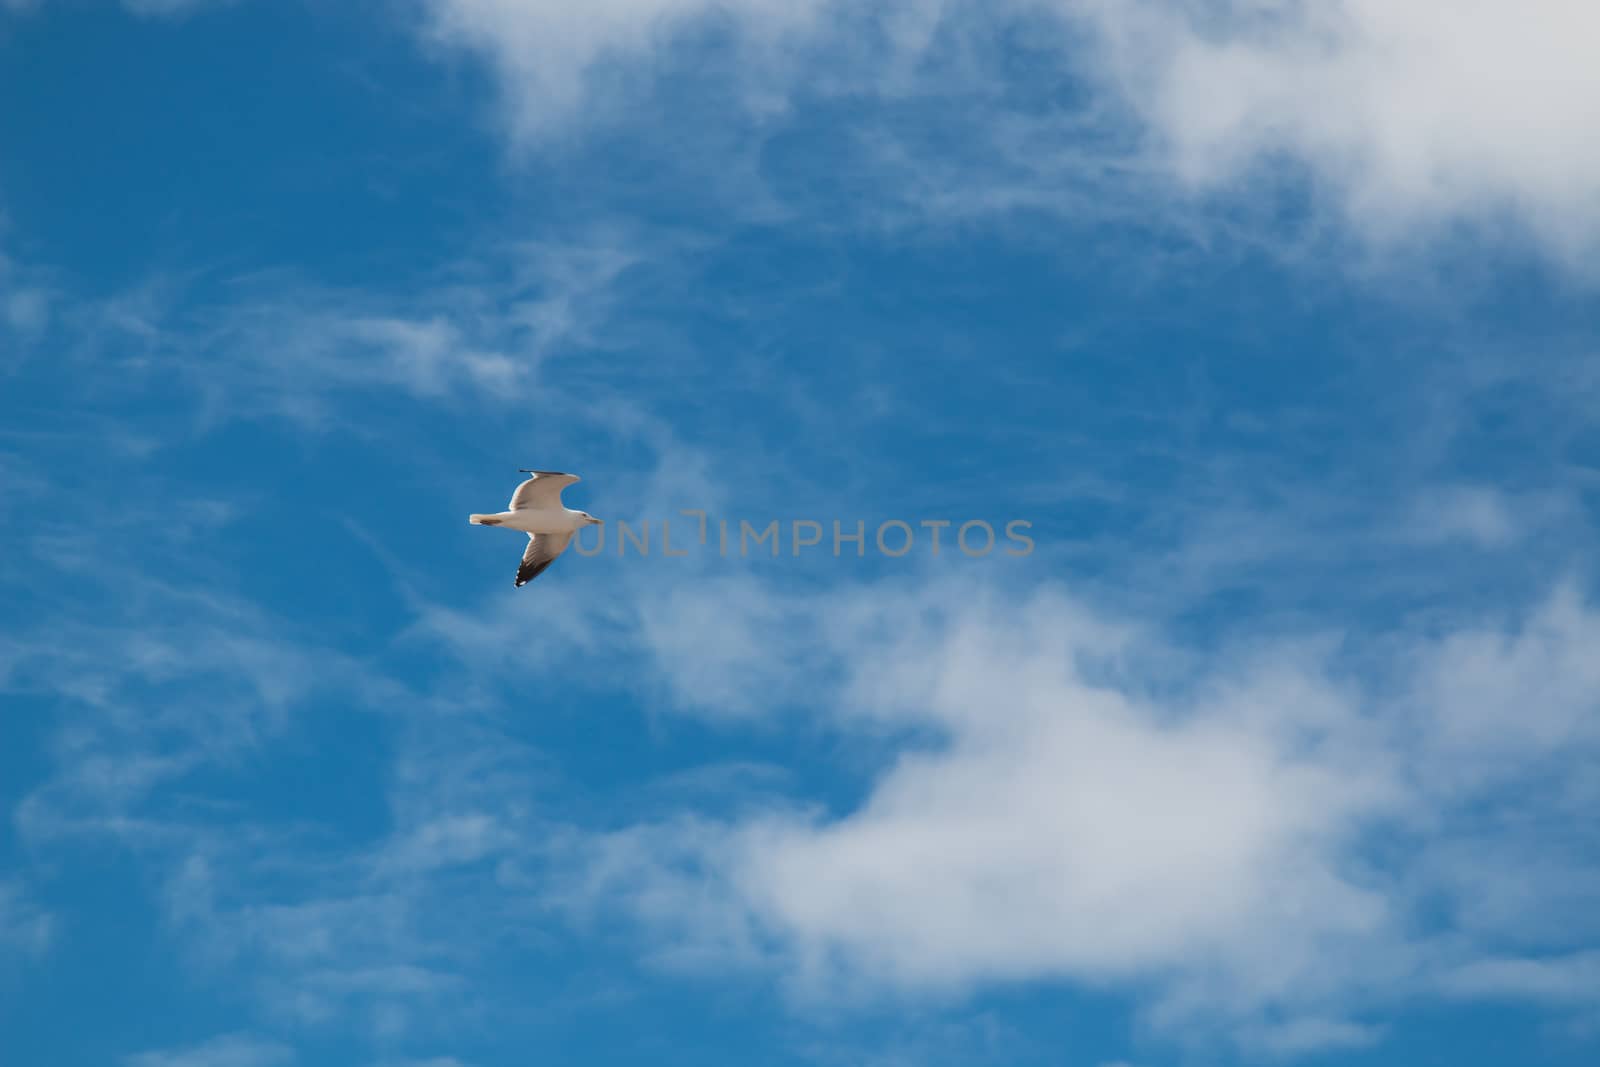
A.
x: 1479, y: 515
x: 170, y: 8
x: 1400, y: 117
x: 25, y: 929
x: 271, y: 345
x: 142, y: 8
x: 27, y: 307
x: 548, y: 56
x: 228, y: 1050
x: 1572, y: 978
x: 1310, y: 1035
x: 1068, y: 813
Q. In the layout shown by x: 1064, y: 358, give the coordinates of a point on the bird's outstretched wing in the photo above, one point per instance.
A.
x: 542, y: 551
x: 542, y: 491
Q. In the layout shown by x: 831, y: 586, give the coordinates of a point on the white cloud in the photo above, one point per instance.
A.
x: 26, y: 307
x: 24, y: 928
x: 169, y: 8
x: 1071, y: 801
x: 1501, y: 701
x: 229, y: 1050
x: 279, y: 346
x: 27, y: 310
x: 1300, y: 1037
x: 1572, y: 978
x: 1413, y: 111
x: 553, y: 57
x: 142, y: 8
x: 1419, y: 113
x: 1481, y: 515
x: 164, y: 686
x: 1065, y: 826
x: 162, y: 680
x: 445, y: 841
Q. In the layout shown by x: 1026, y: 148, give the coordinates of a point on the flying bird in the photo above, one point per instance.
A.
x: 537, y: 511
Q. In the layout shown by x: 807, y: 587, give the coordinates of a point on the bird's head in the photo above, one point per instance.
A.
x: 591, y: 520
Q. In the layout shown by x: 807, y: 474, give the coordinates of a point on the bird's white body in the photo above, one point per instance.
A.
x: 539, y: 520
x: 537, y: 511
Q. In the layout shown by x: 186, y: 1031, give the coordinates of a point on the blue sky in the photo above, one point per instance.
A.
x: 1274, y: 321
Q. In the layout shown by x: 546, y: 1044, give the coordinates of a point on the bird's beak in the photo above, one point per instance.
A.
x: 597, y: 522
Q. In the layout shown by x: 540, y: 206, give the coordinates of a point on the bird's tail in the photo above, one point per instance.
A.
x: 484, y: 520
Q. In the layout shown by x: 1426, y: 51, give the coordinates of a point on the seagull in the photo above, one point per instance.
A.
x: 537, y: 511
